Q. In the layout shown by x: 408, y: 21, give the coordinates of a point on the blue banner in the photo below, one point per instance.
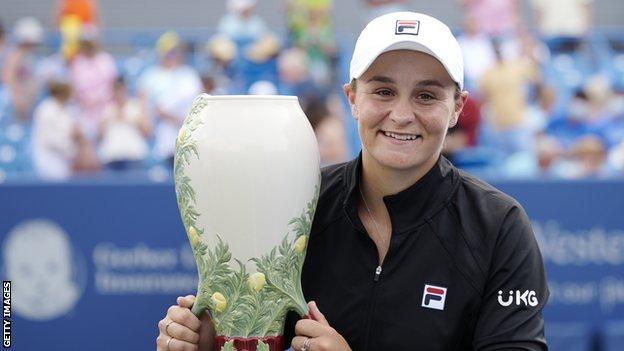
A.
x: 95, y: 265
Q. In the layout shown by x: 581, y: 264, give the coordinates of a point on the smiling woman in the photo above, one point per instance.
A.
x: 407, y: 252
x: 404, y: 105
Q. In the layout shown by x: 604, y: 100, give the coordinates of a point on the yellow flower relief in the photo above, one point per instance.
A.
x: 193, y: 237
x: 181, y: 134
x: 219, y: 301
x: 257, y: 281
x: 300, y: 243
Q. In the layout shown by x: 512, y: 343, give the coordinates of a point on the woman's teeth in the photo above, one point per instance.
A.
x: 401, y: 136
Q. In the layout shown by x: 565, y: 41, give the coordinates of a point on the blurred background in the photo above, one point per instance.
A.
x: 92, y: 94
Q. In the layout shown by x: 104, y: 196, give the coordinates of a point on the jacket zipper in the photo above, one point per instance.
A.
x: 377, y: 273
x: 371, y: 308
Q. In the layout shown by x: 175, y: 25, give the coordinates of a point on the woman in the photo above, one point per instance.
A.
x: 406, y: 252
x: 124, y: 131
x: 55, y: 134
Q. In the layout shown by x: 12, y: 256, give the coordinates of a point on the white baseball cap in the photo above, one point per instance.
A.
x: 408, y: 31
x: 28, y: 30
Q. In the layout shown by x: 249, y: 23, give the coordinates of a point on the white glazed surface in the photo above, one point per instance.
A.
x: 258, y: 167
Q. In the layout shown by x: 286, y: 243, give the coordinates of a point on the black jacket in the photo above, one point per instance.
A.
x: 463, y: 270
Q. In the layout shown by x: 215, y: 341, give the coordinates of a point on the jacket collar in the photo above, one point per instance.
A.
x: 411, y: 207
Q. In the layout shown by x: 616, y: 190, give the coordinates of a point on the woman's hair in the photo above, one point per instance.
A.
x: 120, y: 82
x: 59, y: 90
x: 456, y: 95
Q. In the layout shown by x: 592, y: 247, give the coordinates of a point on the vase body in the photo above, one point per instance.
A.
x: 247, y: 179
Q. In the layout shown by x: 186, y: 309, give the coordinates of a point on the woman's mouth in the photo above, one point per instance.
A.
x: 401, y: 136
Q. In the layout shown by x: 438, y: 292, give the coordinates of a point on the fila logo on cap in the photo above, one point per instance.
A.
x: 434, y: 297
x: 407, y: 27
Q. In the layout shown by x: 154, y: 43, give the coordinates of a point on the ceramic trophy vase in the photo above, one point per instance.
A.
x: 247, y: 179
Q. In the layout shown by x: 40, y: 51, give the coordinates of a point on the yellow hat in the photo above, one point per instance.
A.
x: 167, y: 42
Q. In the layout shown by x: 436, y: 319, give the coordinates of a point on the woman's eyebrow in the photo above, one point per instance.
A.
x: 431, y: 82
x: 423, y: 83
x: 381, y: 79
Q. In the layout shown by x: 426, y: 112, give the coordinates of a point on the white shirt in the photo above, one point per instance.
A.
x: 563, y: 17
x: 52, y: 141
x: 122, y: 140
x: 478, y: 55
x: 172, y: 90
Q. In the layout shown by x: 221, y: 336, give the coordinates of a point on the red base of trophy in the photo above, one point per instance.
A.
x: 276, y: 343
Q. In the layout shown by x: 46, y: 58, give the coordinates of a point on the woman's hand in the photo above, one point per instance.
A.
x: 181, y: 330
x: 317, y: 334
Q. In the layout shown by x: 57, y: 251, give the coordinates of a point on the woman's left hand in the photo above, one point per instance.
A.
x: 317, y: 334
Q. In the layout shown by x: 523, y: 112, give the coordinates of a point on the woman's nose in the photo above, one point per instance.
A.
x: 402, y: 112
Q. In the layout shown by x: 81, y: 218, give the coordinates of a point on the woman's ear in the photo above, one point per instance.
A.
x: 459, y: 106
x: 350, y: 95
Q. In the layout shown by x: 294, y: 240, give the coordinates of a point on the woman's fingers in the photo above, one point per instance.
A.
x: 178, y: 331
x: 297, y: 342
x: 309, y: 328
x: 167, y: 343
x: 184, y: 316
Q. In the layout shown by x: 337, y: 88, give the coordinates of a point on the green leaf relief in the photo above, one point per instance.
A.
x: 262, y: 346
x: 228, y: 346
x: 242, y: 303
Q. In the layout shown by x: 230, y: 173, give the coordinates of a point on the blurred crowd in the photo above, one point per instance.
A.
x: 542, y: 102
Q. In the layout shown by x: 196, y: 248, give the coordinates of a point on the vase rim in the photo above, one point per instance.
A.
x: 249, y: 97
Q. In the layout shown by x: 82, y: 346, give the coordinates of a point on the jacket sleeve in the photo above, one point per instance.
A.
x: 510, y: 316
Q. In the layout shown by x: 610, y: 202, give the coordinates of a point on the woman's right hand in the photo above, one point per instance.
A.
x: 181, y: 330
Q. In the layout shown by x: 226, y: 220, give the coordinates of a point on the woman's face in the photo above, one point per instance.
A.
x: 404, y: 104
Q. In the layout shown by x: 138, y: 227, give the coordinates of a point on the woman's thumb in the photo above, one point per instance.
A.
x: 316, y: 314
x: 186, y: 301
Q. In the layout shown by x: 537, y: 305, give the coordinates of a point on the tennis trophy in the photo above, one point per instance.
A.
x: 247, y: 179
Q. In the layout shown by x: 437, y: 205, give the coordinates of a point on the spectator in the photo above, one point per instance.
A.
x: 587, y: 159
x: 93, y: 72
x: 478, y: 52
x: 221, y: 51
x: 54, y: 134
x: 464, y: 134
x: 18, y: 73
x: 572, y: 125
x: 503, y: 90
x: 293, y: 74
x: 169, y: 87
x: 70, y: 30
x: 70, y: 16
x: 496, y: 18
x: 549, y: 152
x: 125, y: 127
x: 562, y: 23
x: 593, y: 111
x: 255, y: 44
x: 543, y: 109
x: 240, y: 23
x: 85, y: 11
x: 329, y: 131
x: 311, y: 29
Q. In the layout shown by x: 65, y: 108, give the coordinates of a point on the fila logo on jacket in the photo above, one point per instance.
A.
x: 434, y: 297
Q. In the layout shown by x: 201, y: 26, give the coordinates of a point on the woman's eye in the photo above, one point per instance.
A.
x: 425, y: 96
x: 384, y: 92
